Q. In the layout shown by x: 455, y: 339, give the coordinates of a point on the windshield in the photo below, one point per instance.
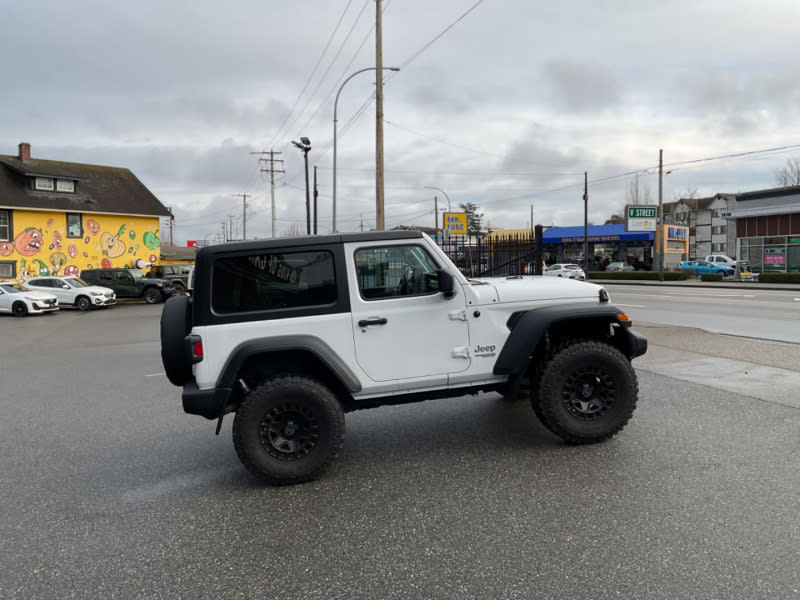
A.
x: 14, y: 288
x: 137, y: 273
x: 76, y: 282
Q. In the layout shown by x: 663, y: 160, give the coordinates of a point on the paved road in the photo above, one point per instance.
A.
x: 109, y: 491
x: 764, y: 313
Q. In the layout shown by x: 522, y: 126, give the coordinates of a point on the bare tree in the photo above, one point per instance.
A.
x: 690, y: 194
x: 638, y: 194
x: 790, y: 174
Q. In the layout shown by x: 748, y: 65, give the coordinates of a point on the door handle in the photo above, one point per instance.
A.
x: 374, y: 321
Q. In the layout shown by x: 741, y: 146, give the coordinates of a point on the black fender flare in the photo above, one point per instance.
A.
x: 307, y: 343
x: 528, y: 328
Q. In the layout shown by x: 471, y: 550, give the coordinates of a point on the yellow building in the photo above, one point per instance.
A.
x: 58, y: 218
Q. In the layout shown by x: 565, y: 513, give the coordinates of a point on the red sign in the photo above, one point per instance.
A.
x: 774, y: 259
x: 191, y: 243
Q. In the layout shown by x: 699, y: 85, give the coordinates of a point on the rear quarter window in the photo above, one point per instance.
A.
x: 272, y: 281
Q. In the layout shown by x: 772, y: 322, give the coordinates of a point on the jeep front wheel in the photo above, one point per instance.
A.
x: 587, y: 392
x: 288, y: 430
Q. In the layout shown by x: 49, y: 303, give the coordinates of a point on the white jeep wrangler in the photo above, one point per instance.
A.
x: 290, y: 334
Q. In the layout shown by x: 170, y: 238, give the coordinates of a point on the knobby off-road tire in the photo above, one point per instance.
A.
x: 587, y: 392
x: 288, y: 430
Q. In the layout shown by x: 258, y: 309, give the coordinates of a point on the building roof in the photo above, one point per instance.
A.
x: 98, y: 189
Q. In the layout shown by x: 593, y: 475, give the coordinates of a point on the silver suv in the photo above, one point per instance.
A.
x: 290, y: 334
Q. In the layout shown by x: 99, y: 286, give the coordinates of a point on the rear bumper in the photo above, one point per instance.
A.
x: 206, y: 403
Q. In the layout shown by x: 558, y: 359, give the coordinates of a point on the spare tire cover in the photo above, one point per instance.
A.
x: 175, y: 326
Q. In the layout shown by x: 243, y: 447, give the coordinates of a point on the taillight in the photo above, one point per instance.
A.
x: 196, y: 346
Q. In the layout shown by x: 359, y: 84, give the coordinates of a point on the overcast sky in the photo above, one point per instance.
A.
x: 500, y: 103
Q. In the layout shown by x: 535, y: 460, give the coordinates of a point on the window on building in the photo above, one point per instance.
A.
x: 5, y: 225
x: 719, y: 229
x: 65, y: 185
x: 718, y: 248
x: 74, y: 226
x: 8, y: 269
x: 43, y: 183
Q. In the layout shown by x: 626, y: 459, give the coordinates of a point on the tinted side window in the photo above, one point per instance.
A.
x: 392, y: 271
x: 268, y: 281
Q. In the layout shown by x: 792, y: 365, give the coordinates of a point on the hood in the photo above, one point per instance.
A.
x: 531, y: 289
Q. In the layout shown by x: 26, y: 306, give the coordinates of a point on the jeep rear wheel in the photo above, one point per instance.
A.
x: 288, y: 430
x: 587, y: 392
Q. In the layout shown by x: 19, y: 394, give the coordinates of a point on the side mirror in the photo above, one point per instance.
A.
x: 446, y: 283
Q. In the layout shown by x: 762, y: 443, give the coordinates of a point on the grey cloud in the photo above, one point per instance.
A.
x: 581, y: 86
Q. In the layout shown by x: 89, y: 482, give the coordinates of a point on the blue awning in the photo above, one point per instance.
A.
x: 597, y: 234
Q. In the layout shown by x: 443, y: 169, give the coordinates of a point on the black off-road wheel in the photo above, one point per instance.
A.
x: 152, y: 295
x: 587, y: 392
x: 288, y: 430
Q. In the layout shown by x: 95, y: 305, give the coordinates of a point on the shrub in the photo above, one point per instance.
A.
x: 640, y: 275
x: 711, y: 277
x: 779, y: 277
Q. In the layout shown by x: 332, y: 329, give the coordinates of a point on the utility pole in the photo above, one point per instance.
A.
x: 380, y: 217
x: 244, y: 212
x: 660, y: 232
x: 316, y: 195
x: 271, y: 170
x: 436, y: 218
x: 586, y: 222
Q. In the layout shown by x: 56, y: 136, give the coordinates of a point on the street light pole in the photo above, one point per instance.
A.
x: 430, y: 187
x: 335, y: 107
x: 305, y: 146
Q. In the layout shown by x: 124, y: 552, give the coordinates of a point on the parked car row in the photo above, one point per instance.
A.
x: 95, y: 288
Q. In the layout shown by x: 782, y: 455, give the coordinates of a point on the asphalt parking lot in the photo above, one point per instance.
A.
x: 110, y: 491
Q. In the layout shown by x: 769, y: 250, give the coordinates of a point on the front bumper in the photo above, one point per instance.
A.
x: 637, y: 343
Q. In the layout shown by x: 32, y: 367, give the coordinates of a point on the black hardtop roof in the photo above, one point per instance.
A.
x: 308, y: 240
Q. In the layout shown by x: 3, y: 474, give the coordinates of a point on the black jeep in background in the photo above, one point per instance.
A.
x: 176, y: 274
x: 130, y: 283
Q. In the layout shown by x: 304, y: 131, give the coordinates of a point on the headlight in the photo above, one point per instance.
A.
x: 95, y: 293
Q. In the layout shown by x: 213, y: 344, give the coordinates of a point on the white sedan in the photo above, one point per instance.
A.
x: 73, y: 291
x: 568, y: 270
x: 20, y: 300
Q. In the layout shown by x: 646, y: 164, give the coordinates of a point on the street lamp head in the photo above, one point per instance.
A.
x: 304, y: 144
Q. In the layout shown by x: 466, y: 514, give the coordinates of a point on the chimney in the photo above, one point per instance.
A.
x: 24, y: 151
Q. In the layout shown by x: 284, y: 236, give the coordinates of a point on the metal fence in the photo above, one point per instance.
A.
x: 494, y: 256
